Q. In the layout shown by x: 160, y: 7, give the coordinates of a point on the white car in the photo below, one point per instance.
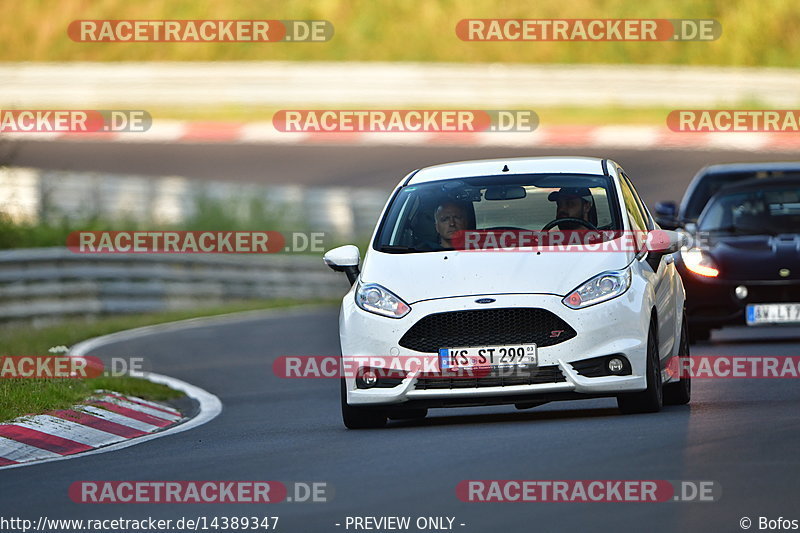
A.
x: 523, y: 324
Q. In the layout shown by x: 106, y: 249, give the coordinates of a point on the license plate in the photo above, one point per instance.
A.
x: 773, y: 314
x: 487, y: 356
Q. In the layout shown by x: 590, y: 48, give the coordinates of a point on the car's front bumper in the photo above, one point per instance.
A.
x: 619, y: 326
x: 712, y: 302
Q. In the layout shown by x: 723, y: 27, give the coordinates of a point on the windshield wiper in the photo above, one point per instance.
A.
x: 397, y: 249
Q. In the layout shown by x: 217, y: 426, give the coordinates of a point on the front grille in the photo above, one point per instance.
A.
x: 502, y: 377
x: 777, y: 293
x: 487, y: 327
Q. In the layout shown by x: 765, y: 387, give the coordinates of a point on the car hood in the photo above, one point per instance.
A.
x: 756, y: 257
x: 425, y: 276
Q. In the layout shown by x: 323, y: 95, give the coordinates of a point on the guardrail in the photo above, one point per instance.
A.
x: 376, y: 84
x: 42, y: 284
x: 346, y: 213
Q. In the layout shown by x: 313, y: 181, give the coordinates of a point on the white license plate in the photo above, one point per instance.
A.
x: 487, y: 356
x: 773, y: 314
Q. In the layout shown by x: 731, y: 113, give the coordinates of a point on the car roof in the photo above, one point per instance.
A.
x: 516, y: 165
x: 735, y: 168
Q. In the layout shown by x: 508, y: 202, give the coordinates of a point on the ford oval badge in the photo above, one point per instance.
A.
x: 485, y: 301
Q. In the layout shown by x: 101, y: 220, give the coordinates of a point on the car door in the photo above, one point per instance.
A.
x: 658, y: 268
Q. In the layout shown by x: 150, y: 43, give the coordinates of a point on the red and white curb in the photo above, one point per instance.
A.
x: 633, y: 137
x: 106, y: 418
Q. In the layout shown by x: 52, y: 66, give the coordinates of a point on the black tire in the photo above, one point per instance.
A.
x: 698, y: 334
x: 651, y: 399
x: 408, y: 414
x: 680, y: 392
x: 360, y: 417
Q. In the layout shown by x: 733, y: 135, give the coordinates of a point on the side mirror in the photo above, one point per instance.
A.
x: 666, y: 241
x: 344, y: 259
x: 666, y: 213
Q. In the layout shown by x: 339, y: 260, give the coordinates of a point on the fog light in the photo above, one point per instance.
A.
x: 615, y: 365
x: 368, y: 379
x: 741, y: 292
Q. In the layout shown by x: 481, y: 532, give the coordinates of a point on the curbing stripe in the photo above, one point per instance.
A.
x: 133, y: 406
x: 117, y: 418
x: 144, y: 403
x: 130, y: 413
x: 97, y: 423
x: 17, y: 452
x: 623, y: 136
x: 69, y: 430
x: 39, y: 439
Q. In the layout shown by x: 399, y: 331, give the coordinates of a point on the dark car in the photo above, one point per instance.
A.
x: 744, y: 268
x: 711, y: 179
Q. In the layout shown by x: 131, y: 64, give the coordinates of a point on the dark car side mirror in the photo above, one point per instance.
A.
x: 666, y: 213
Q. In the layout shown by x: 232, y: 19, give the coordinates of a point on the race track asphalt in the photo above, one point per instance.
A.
x: 743, y: 434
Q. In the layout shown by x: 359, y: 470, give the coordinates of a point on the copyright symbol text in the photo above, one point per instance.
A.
x: 745, y: 523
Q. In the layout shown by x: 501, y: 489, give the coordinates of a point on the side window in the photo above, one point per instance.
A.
x: 632, y: 207
x: 642, y: 209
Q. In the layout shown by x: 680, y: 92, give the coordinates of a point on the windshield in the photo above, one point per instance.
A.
x: 710, y: 184
x: 425, y: 217
x: 764, y: 211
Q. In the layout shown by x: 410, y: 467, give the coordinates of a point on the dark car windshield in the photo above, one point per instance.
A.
x: 421, y: 216
x: 754, y: 212
x: 710, y: 184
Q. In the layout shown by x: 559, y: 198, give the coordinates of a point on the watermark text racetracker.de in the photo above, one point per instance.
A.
x: 200, y: 31
x: 202, y: 492
x: 404, y: 120
x: 149, y: 523
x: 587, y: 490
x: 733, y: 367
x: 734, y: 120
x: 588, y: 29
x: 68, y: 367
x: 74, y: 120
x: 194, y: 242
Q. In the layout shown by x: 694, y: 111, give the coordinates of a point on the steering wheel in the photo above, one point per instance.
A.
x: 558, y: 221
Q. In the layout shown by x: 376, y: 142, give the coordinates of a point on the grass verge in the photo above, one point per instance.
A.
x: 29, y: 396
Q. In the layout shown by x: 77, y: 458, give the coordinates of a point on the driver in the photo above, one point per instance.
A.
x: 449, y: 218
x: 572, y: 202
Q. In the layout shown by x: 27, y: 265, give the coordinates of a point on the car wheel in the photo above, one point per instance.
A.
x: 408, y: 414
x: 680, y: 393
x: 649, y: 400
x: 360, y: 417
x: 698, y: 334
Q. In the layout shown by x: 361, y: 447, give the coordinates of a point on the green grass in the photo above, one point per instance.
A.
x: 30, y: 396
x: 548, y: 116
x: 754, y: 33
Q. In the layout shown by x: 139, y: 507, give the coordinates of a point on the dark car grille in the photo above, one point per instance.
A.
x: 773, y: 293
x: 487, y: 327
x: 496, y: 378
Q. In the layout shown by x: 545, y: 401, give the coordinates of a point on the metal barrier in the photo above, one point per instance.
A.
x: 389, y: 85
x: 48, y: 283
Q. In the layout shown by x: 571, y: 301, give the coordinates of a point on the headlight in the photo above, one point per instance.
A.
x: 379, y: 300
x: 700, y: 262
x: 600, y: 288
